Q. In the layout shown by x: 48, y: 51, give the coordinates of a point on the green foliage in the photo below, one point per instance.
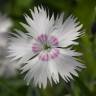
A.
x: 85, y: 85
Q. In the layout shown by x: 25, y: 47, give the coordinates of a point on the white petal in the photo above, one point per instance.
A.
x: 38, y: 72
x: 69, y: 52
x: 53, y: 71
x: 68, y: 31
x: 30, y: 30
x: 66, y: 43
x: 21, y: 48
x: 59, y: 20
x: 40, y: 22
x: 65, y: 65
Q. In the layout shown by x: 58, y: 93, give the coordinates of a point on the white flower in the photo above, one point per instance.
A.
x: 7, y: 68
x: 5, y: 24
x: 45, y: 50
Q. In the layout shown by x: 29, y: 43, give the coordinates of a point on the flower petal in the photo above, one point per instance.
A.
x: 38, y: 72
x: 67, y: 65
x: 69, y: 52
x: 68, y: 31
x: 20, y: 47
x: 39, y: 23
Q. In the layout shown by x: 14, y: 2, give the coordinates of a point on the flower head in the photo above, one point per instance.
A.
x: 7, y: 68
x: 45, y: 50
x: 5, y: 24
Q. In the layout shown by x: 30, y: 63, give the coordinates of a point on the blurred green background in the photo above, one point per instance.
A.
x: 85, y: 85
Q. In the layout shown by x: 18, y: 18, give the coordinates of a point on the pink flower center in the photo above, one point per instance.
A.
x: 47, y: 44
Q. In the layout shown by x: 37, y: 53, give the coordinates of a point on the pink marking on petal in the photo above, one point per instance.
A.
x: 42, y: 38
x: 54, y: 41
x: 36, y: 48
x: 54, y: 53
x: 44, y: 57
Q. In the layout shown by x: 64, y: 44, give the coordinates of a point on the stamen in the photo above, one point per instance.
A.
x: 46, y: 47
